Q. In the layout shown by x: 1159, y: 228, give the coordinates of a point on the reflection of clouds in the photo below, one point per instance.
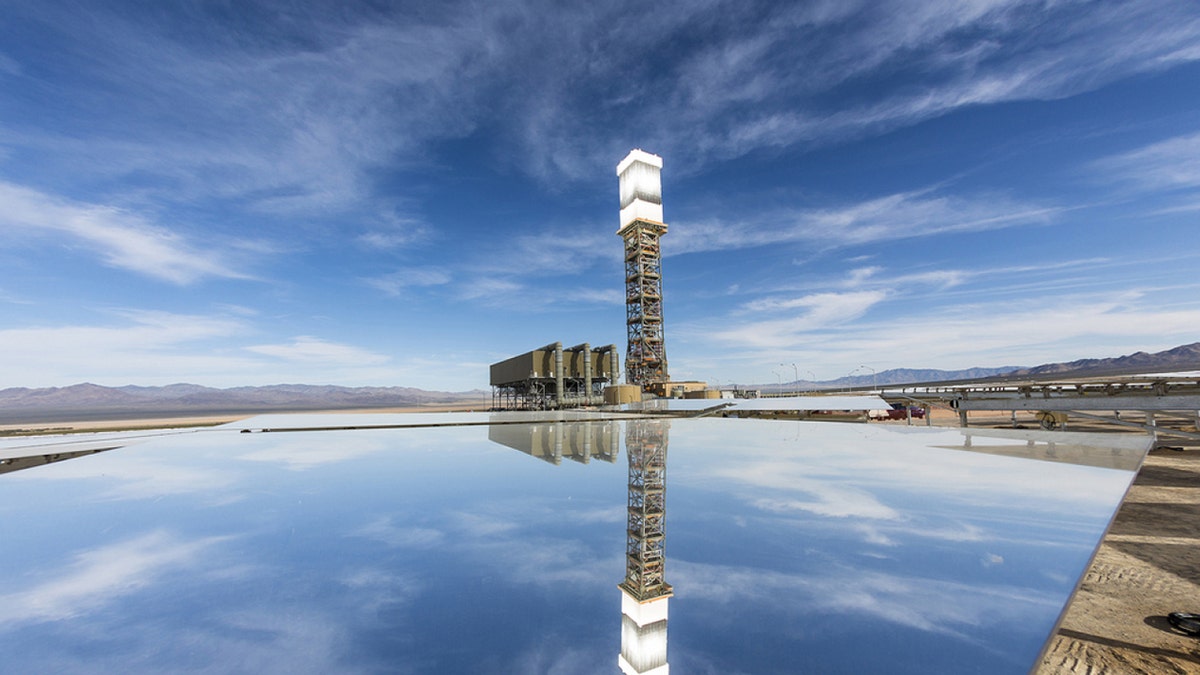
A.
x: 931, y: 605
x: 482, y: 525
x: 512, y: 538
x: 313, y: 450
x: 897, y: 481
x: 138, y: 476
x: 281, y: 639
x: 515, y: 540
x: 375, y: 589
x: 872, y: 535
x: 959, y: 532
x: 793, y: 456
x: 561, y: 659
x: 616, y: 514
x: 833, y: 502
x: 548, y: 561
x: 101, y: 575
x: 502, y: 516
x: 384, y: 530
x: 827, y: 497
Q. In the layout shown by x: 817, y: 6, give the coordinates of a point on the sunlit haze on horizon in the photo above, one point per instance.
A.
x: 340, y: 193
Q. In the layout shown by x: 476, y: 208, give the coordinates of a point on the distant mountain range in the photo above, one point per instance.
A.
x: 1182, y: 358
x: 906, y: 376
x: 91, y: 401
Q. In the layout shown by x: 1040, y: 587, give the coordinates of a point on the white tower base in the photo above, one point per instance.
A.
x: 643, y: 636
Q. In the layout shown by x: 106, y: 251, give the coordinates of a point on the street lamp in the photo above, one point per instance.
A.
x: 795, y: 372
x: 874, y: 377
x: 850, y: 385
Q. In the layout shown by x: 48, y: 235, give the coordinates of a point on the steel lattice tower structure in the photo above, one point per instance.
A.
x: 644, y: 592
x: 641, y: 227
x: 646, y: 444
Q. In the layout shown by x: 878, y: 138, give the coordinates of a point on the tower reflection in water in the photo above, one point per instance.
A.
x: 644, y: 592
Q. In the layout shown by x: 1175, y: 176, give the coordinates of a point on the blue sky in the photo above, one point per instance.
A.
x: 241, y: 193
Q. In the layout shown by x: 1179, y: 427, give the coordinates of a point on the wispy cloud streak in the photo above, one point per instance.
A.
x: 888, y: 218
x: 308, y: 349
x: 122, y: 238
x: 99, y: 576
x: 1171, y: 164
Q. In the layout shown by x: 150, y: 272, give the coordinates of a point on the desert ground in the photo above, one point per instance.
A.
x: 1147, y: 566
x: 139, y: 423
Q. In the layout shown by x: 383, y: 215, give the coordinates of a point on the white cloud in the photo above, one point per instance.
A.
x: 397, y: 283
x: 925, y: 59
x: 13, y: 299
x: 279, y: 126
x: 159, y: 348
x: 610, y: 296
x: 896, y: 216
x: 393, y: 232
x: 564, y: 252
x: 1021, y: 330
x: 300, y: 126
x: 8, y: 66
x: 819, y: 312
x: 985, y: 316
x: 936, y: 283
x: 123, y: 239
x: 492, y: 289
x: 307, y: 349
x: 834, y: 306
x: 1030, y: 330
x: 1167, y: 165
x: 144, y: 335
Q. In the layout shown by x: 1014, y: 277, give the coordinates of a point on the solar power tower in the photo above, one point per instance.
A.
x: 644, y: 592
x: 641, y: 227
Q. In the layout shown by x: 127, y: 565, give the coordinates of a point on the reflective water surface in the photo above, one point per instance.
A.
x: 789, y: 547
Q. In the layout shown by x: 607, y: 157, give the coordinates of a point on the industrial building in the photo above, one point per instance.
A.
x: 554, y: 377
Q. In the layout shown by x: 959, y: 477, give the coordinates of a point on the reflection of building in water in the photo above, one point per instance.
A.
x: 1051, y: 446
x: 552, y: 441
x: 644, y: 592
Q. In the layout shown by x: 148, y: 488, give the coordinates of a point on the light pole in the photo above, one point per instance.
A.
x: 780, y: 378
x: 850, y: 385
x: 874, y: 377
x: 795, y: 372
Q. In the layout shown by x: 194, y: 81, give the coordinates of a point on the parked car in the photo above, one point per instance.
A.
x: 897, y: 412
